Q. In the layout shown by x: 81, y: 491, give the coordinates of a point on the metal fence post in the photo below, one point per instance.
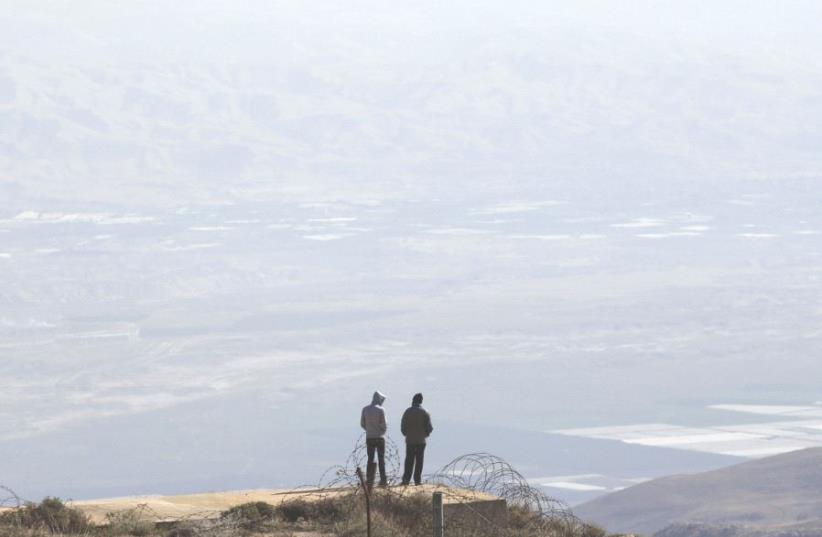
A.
x: 438, y: 516
x: 367, y: 491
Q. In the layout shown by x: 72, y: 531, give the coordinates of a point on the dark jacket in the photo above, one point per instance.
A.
x: 416, y: 425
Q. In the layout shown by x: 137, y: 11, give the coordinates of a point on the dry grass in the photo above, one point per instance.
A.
x: 336, y: 516
x: 49, y: 516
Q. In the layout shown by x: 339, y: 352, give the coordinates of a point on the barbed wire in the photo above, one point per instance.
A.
x: 345, y: 474
x: 468, y: 481
x: 489, y: 474
x: 9, y: 498
x: 465, y: 480
x: 484, y: 472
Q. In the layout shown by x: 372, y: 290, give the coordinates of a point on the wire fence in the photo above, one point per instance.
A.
x: 469, y: 483
x: 9, y: 499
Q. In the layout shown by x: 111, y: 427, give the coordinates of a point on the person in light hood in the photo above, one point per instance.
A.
x: 372, y: 420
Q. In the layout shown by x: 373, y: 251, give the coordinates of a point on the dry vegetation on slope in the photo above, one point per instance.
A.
x: 396, y: 515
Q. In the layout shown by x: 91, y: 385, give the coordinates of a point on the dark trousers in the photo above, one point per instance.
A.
x: 414, y: 456
x: 378, y: 445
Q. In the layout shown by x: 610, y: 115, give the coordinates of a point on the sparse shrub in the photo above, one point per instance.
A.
x: 520, y: 518
x: 12, y: 531
x: 411, y: 512
x: 380, y: 527
x: 129, y: 522
x: 181, y: 532
x: 294, y: 510
x: 590, y: 530
x: 50, y: 515
x: 322, y: 511
x: 330, y: 510
x: 223, y: 527
x: 525, y: 523
x: 251, y: 516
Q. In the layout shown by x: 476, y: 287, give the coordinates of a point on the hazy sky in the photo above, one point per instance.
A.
x: 222, y: 227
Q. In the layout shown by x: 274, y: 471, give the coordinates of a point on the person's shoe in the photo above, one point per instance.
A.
x: 383, y: 484
x: 417, y: 483
x: 404, y: 484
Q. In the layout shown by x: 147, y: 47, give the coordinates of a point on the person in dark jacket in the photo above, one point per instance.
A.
x: 416, y: 427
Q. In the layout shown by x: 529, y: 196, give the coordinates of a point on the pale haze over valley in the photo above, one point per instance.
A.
x: 588, y: 231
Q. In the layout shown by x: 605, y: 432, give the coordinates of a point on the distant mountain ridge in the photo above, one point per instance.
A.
x: 711, y: 530
x: 432, y: 97
x: 757, y: 497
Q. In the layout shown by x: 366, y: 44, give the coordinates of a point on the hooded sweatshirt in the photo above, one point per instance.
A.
x: 373, y: 417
